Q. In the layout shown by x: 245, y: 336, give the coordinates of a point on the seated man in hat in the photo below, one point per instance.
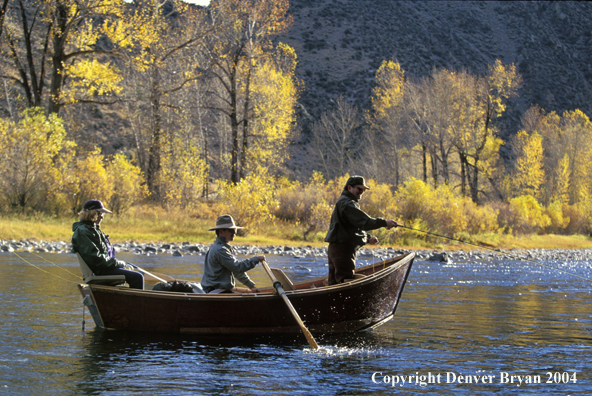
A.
x: 221, y: 268
x: 93, y: 245
x: 347, y: 231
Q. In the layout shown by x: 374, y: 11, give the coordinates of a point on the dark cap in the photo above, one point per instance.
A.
x: 95, y: 204
x: 356, y: 181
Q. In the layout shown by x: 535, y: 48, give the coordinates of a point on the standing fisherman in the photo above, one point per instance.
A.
x: 347, y: 231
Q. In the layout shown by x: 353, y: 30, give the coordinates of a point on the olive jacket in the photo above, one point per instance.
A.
x: 349, y: 223
x: 94, y: 247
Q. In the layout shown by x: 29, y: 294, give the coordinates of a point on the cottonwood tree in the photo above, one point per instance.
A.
x: 478, y: 147
x: 241, y: 35
x: 50, y: 55
x: 387, y: 134
x: 335, y: 140
x: 576, y: 136
x: 528, y: 175
x: 32, y: 172
x: 555, y: 161
x: 274, y: 95
x: 567, y: 142
x: 160, y: 39
x: 440, y: 115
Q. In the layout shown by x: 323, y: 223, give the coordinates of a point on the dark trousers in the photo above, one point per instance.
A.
x: 342, y: 262
x: 134, y: 279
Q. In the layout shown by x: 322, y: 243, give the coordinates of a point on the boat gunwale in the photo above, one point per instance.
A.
x: 393, y: 264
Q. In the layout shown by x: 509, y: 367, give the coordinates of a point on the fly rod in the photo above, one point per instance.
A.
x: 495, y: 250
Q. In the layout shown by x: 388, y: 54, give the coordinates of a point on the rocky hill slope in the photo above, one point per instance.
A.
x: 340, y: 44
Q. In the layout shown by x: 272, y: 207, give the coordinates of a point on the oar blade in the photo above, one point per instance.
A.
x: 278, y: 286
x: 311, y: 341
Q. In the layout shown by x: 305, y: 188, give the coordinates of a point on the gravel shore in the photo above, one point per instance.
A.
x: 198, y: 249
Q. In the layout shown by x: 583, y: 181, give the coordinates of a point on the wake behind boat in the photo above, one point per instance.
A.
x: 364, y: 303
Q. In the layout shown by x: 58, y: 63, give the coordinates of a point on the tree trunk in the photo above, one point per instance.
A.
x: 58, y: 58
x: 246, y: 117
x: 155, y: 147
x: 234, y: 165
x: 424, y: 161
x: 463, y: 175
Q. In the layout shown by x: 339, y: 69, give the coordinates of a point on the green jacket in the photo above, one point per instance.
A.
x: 221, y: 267
x: 349, y: 223
x: 93, y: 246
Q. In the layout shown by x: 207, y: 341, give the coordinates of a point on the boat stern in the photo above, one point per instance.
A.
x: 88, y: 301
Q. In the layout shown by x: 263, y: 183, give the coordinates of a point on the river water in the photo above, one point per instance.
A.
x: 467, y: 328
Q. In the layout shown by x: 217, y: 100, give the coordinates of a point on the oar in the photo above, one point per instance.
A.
x: 152, y: 275
x: 278, y: 286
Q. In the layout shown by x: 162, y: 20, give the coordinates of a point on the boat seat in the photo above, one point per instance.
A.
x: 89, y: 278
x: 283, y: 278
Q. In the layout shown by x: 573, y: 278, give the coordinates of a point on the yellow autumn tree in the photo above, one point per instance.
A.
x: 576, y: 134
x: 387, y: 129
x: 529, y: 174
x: 88, y: 179
x: 239, y: 42
x: 183, y: 173
x: 34, y: 156
x: 56, y: 40
x: 251, y: 201
x: 389, y: 90
x: 561, y: 190
x: 555, y: 167
x: 128, y: 183
x: 157, y: 42
x: 274, y: 95
x: 479, y: 146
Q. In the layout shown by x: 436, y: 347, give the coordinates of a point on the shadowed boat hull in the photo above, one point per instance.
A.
x: 364, y: 303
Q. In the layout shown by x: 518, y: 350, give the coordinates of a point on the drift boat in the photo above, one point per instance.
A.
x: 361, y: 304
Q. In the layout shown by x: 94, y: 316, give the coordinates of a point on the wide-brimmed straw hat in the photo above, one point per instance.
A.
x: 224, y: 222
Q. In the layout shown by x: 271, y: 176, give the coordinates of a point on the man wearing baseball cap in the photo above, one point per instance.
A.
x: 94, y: 247
x: 347, y: 231
x: 221, y: 267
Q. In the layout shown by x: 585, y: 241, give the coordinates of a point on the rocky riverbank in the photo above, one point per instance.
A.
x: 198, y: 249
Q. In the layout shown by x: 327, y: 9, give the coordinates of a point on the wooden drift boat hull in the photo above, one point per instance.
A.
x: 363, y: 303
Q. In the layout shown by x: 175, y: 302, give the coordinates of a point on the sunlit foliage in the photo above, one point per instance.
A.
x: 183, y: 174
x: 251, y: 201
x: 128, y: 183
x: 529, y: 215
x: 34, y: 156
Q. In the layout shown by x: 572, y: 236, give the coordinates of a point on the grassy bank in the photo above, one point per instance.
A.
x: 153, y: 224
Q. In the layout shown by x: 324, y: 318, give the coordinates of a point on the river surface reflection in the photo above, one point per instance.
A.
x: 463, y: 328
